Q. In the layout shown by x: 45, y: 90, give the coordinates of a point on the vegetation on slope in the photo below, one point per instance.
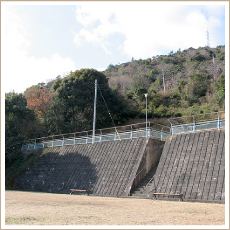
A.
x: 194, y: 83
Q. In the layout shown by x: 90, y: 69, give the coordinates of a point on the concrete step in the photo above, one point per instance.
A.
x: 144, y: 186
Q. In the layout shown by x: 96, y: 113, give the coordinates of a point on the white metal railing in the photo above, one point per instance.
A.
x: 198, y: 122
x: 194, y: 127
x: 119, y: 133
x: 179, y: 125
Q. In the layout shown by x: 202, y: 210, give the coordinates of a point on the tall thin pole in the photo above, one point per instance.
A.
x: 95, y: 108
x: 163, y: 79
x: 146, y: 115
x: 213, y: 60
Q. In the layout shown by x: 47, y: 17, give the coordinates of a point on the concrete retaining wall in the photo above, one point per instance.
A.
x: 107, y: 168
x: 194, y: 165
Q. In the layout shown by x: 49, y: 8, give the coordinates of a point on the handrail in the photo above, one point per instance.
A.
x: 122, y: 132
x: 195, y: 118
x: 137, y: 130
x: 102, y: 131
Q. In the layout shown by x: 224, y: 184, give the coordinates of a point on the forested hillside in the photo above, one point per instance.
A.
x: 193, y: 83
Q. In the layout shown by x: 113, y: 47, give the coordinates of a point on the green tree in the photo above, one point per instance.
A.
x: 20, y: 124
x: 197, y: 87
x: 136, y: 93
x: 198, y: 57
x: 72, y: 108
x: 152, y: 74
x: 181, y: 85
x: 220, y: 89
x: 158, y: 84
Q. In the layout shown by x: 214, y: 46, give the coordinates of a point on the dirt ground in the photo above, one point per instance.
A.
x: 30, y: 208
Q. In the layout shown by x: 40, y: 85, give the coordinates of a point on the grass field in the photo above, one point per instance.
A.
x: 30, y: 208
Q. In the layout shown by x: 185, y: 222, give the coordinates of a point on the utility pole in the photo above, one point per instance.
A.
x: 213, y: 66
x: 95, y: 108
x: 163, y: 79
x: 146, y: 95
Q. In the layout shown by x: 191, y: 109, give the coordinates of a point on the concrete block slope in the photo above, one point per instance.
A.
x: 103, y: 168
x: 193, y: 164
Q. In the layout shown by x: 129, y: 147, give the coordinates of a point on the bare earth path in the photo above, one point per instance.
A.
x: 30, y: 208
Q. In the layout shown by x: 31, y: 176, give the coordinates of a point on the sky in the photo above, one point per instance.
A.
x: 41, y: 40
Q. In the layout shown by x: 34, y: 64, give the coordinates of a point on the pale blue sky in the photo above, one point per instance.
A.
x: 40, y: 42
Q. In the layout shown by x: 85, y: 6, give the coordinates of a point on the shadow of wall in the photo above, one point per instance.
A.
x: 103, y: 168
x: 57, y: 173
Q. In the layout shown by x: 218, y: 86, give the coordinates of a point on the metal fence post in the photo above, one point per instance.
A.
x: 115, y: 137
x: 131, y: 132
x: 194, y: 124
x: 171, y: 128
x: 149, y: 130
x: 218, y: 121
x: 28, y: 145
x: 34, y: 143
x: 162, y: 133
x: 100, y: 136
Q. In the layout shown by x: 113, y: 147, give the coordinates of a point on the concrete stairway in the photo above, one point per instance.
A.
x: 143, y: 189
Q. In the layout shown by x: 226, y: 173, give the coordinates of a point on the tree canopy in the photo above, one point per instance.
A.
x: 20, y: 125
x: 72, y: 107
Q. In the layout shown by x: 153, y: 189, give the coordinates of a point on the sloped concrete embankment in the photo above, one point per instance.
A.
x: 148, y: 159
x: 193, y: 165
x: 107, y: 168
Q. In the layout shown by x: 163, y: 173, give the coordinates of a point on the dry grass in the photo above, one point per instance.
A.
x: 28, y: 208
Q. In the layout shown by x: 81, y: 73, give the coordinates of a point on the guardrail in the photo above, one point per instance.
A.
x: 110, y: 134
x: 179, y: 125
x: 194, y: 127
x: 198, y: 122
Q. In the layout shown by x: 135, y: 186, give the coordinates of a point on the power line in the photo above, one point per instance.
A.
x: 106, y: 105
x: 163, y: 79
x: 109, y: 112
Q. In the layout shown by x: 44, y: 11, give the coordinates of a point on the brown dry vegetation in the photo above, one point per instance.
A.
x: 30, y: 208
